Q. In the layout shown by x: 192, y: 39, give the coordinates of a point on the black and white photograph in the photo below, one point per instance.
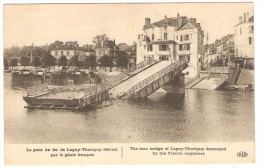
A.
x: 126, y: 73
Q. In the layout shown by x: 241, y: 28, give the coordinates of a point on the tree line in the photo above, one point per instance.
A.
x: 46, y: 60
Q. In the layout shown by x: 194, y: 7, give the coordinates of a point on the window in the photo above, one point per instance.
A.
x: 187, y: 37
x: 240, y: 30
x: 165, y: 36
x: 184, y: 47
x: 144, y: 46
x: 176, y: 37
x: 56, y: 52
x: 68, y: 52
x: 188, y: 46
x: 251, y: 29
x: 138, y: 36
x: 61, y: 52
x: 152, y: 37
x: 250, y: 40
x: 163, y: 57
x: 149, y: 48
x: 180, y: 47
x: 162, y: 47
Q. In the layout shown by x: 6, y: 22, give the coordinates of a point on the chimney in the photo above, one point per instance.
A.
x: 147, y: 21
x: 247, y: 17
x: 193, y: 20
x: 198, y: 25
x: 165, y: 17
x: 178, y: 15
x: 240, y: 19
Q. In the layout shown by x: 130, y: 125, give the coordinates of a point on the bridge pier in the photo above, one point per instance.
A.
x: 176, y: 85
x: 170, y: 83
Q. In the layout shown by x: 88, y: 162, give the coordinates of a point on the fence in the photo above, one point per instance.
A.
x: 142, y: 65
x: 154, y: 77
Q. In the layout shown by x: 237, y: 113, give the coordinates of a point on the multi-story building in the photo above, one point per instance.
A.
x: 224, y: 50
x: 171, y: 39
x: 106, y: 47
x: 244, y: 41
x: 209, y: 55
x: 69, y: 49
x: 64, y: 50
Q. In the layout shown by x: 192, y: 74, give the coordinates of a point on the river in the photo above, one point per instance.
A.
x: 191, y: 116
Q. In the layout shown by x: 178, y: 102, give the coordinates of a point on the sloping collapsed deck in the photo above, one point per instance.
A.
x: 65, y: 98
x: 148, y: 81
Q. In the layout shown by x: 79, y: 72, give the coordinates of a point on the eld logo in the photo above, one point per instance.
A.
x: 242, y: 154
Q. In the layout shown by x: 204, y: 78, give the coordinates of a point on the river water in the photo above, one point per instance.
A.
x: 191, y: 116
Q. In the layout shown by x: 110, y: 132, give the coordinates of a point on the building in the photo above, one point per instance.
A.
x: 171, y: 39
x: 244, y: 41
x: 209, y: 57
x: 226, y: 49
x: 69, y: 49
x: 106, y: 47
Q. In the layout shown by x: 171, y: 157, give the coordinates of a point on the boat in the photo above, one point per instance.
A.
x: 40, y: 97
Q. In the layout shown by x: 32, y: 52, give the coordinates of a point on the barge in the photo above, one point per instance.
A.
x: 71, y: 98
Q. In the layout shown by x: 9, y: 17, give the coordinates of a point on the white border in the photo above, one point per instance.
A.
x: 257, y: 54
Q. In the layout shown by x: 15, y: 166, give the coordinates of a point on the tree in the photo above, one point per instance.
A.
x: 74, y: 61
x: 63, y: 61
x: 55, y: 44
x: 48, y: 60
x: 99, y: 40
x: 91, y: 61
x: 14, y: 62
x: 37, y: 61
x: 6, y: 65
x: 13, y: 51
x: 25, y: 61
x: 106, y: 61
x: 122, y: 61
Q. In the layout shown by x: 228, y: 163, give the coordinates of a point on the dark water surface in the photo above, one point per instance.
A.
x: 194, y: 116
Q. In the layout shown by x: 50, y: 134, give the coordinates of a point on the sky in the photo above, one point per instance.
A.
x: 43, y: 24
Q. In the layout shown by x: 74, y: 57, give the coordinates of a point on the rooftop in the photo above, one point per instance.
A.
x: 250, y: 20
x: 169, y: 21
